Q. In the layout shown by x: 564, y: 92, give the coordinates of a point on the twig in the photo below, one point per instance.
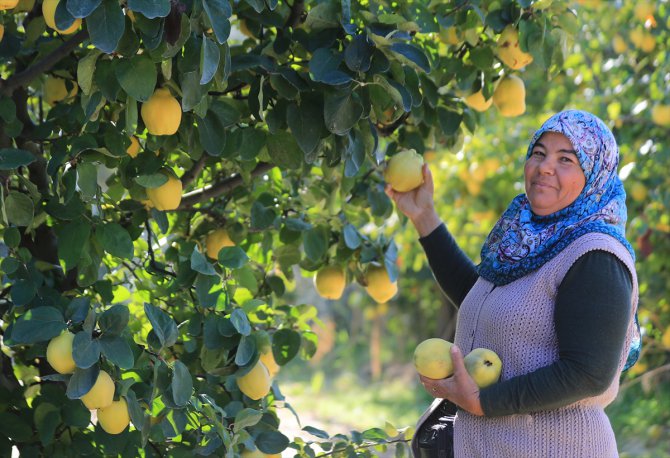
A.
x: 209, y: 192
x: 387, y: 129
x: 194, y: 171
x: 44, y: 65
x: 296, y: 17
x: 152, y: 256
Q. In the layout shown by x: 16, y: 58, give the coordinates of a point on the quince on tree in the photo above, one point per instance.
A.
x: 166, y: 196
x: 255, y: 383
x: 379, y: 284
x: 509, y: 50
x: 2, y: 31
x: 432, y: 358
x: 59, y: 353
x: 55, y: 90
x: 660, y: 114
x: 404, y: 170
x: 114, y: 419
x: 509, y: 96
x: 101, y: 395
x: 134, y: 148
x: 216, y: 240
x: 8, y: 4
x: 476, y: 101
x: 330, y: 282
x: 161, y: 113
x: 49, y: 13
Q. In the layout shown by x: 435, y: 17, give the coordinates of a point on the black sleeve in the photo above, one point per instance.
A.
x: 453, y: 270
x: 591, y: 318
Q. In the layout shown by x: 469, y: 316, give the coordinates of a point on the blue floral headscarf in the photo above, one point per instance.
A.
x: 522, y: 241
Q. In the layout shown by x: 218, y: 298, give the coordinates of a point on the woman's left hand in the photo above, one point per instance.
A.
x: 460, y: 388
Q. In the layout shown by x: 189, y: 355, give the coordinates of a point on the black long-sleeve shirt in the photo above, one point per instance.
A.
x: 591, y: 317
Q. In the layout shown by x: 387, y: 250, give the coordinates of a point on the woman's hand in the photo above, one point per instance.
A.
x: 460, y: 388
x: 417, y: 204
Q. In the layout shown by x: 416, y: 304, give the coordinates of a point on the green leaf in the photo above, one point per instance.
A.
x: 209, y: 60
x: 137, y: 415
x: 352, y: 238
x: 82, y: 8
x: 358, y: 55
x: 315, y: 242
x: 150, y: 8
x: 153, y: 180
x: 117, y: 350
x: 271, y: 442
x: 86, y: 70
x: 207, y: 290
x: 284, y: 150
x: 12, y: 237
x: 15, y: 427
x: 114, y: 320
x: 232, y: 257
x: 19, y: 209
x: 38, y: 325
x: 23, y: 291
x: 105, y: 26
x: 412, y: 54
x: 199, y: 263
x: 77, y: 309
x: 182, y: 383
x: 47, y: 419
x: 321, y: 434
x: 82, y: 381
x: 219, y: 11
x: 306, y: 123
x: 7, y: 109
x: 115, y: 240
x: 11, y: 158
x: 62, y: 17
x: 449, y: 120
x: 323, y: 67
x: 240, y: 321
x: 285, y: 345
x: 87, y: 180
x: 212, y: 133
x: 137, y: 76
x: 261, y: 217
x: 85, y: 350
x: 245, y: 350
x: 131, y: 115
x: 245, y: 418
x: 342, y: 110
x: 71, y: 241
x: 163, y: 325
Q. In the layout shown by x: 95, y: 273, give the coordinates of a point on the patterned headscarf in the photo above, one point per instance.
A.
x: 522, y: 241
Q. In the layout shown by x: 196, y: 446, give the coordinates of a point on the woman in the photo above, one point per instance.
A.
x: 555, y: 296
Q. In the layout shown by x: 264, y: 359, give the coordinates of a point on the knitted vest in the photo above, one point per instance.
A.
x: 516, y: 321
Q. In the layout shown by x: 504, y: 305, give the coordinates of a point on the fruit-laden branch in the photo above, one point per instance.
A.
x: 44, y: 65
x: 215, y: 190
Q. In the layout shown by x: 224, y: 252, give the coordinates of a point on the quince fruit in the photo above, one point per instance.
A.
x: 167, y: 196
x: 660, y: 114
x: 643, y: 10
x: 161, y: 113
x: 432, y: 358
x: 256, y: 383
x: 379, y: 285
x: 114, y: 419
x: 509, y: 96
x: 484, y: 366
x: 476, y: 101
x: 134, y: 148
x: 404, y: 171
x: 2, y: 31
x: 101, y: 395
x: 216, y: 240
x: 509, y: 50
x: 49, y: 13
x: 8, y: 4
x: 619, y: 44
x: 268, y: 360
x: 330, y: 282
x: 59, y: 353
x: 55, y: 90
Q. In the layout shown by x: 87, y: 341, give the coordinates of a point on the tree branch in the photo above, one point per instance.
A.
x: 194, y: 171
x: 44, y: 65
x: 387, y: 129
x: 209, y: 192
x: 296, y: 17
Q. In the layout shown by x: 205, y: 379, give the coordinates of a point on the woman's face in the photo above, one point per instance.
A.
x: 552, y: 174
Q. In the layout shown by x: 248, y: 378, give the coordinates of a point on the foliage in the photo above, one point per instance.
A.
x: 288, y: 113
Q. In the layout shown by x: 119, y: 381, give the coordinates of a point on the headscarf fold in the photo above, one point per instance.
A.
x: 522, y: 242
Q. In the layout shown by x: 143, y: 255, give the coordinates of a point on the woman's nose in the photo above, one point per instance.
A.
x: 546, y: 166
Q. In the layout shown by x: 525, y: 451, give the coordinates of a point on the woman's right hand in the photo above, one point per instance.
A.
x: 418, y: 204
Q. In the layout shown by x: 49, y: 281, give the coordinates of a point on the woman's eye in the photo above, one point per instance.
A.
x: 538, y: 153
